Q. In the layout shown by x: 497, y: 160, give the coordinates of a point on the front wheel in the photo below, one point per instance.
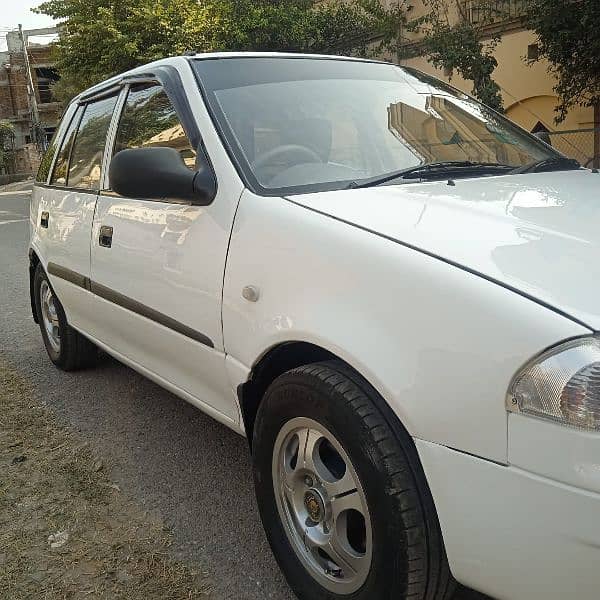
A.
x: 343, y: 500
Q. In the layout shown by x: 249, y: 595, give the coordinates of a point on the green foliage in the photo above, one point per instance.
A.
x: 7, y: 141
x: 454, y: 43
x: 568, y: 34
x: 101, y: 38
x: 388, y: 20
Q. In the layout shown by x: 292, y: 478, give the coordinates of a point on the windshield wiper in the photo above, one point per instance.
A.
x: 554, y: 163
x: 433, y: 170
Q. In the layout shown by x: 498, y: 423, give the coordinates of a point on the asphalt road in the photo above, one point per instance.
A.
x: 171, y: 458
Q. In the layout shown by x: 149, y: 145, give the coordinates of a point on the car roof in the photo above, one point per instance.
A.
x: 179, y: 61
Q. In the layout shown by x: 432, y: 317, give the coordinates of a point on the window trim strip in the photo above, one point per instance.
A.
x: 127, y: 303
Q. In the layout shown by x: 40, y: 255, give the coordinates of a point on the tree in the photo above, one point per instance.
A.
x: 7, y: 142
x: 568, y: 37
x: 100, y: 38
x: 455, y: 42
x: 388, y: 21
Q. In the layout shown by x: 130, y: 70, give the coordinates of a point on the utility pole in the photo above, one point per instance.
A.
x: 31, y: 97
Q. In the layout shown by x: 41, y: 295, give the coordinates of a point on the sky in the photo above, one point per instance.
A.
x: 13, y: 12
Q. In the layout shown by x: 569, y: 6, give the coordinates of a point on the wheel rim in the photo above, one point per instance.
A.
x: 322, y: 505
x: 50, y: 316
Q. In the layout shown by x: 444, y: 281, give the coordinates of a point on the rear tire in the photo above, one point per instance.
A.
x: 399, y: 532
x: 67, y: 348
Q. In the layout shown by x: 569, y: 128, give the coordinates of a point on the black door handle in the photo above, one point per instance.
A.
x: 44, y: 219
x: 105, y: 238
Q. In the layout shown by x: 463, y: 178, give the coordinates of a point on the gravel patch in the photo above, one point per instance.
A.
x: 66, y: 530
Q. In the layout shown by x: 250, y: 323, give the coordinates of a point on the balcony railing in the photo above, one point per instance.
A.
x: 483, y: 12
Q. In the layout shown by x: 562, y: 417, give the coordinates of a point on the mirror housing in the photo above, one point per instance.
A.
x: 159, y: 173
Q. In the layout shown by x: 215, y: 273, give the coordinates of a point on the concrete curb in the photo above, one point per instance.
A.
x: 19, y: 186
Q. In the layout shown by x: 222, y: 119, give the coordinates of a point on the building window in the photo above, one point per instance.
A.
x: 48, y: 133
x: 45, y: 76
x: 533, y: 52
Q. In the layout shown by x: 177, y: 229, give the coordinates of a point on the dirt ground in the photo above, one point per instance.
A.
x: 67, y: 531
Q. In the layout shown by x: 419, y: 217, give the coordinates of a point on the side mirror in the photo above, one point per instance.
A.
x: 160, y: 173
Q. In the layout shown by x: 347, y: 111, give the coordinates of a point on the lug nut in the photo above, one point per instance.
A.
x: 308, y: 481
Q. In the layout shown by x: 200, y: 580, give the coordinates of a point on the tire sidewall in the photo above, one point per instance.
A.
x: 291, y: 397
x: 39, y: 277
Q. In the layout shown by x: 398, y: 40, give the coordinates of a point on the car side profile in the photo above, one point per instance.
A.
x: 390, y: 289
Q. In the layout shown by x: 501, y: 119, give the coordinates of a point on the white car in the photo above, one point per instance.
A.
x: 390, y: 289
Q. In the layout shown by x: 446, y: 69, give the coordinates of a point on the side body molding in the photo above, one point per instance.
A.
x: 127, y: 303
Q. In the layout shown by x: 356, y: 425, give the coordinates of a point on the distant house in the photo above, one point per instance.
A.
x: 15, y: 106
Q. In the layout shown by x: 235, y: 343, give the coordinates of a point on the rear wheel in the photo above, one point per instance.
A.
x: 342, y: 496
x: 67, y: 348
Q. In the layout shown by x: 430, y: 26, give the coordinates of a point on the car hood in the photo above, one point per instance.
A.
x: 538, y: 233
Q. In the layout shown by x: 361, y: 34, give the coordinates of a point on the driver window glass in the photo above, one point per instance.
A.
x: 85, y: 164
x: 59, y: 175
x: 149, y: 120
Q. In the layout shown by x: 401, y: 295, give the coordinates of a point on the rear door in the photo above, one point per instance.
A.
x: 66, y: 212
x: 157, y: 267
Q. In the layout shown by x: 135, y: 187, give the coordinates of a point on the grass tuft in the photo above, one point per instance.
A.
x: 50, y: 483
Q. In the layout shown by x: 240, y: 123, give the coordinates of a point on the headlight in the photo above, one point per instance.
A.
x: 562, y: 384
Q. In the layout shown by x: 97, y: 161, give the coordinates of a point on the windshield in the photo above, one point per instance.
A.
x: 307, y: 124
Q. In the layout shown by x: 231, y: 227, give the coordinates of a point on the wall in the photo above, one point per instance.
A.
x: 527, y: 90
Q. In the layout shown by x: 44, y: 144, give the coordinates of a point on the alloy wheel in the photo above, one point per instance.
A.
x: 50, y: 316
x: 322, y: 505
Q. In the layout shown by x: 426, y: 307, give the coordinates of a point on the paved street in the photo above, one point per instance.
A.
x: 163, y: 453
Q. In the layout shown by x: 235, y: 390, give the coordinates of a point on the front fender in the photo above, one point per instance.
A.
x: 438, y: 343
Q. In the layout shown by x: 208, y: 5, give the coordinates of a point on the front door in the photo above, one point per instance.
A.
x: 157, y: 269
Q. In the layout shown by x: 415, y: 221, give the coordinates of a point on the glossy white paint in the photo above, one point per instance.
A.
x: 441, y: 345
x: 566, y: 454
x: 171, y: 258
x: 536, y: 232
x: 66, y: 242
x: 513, y: 534
x: 204, y: 405
x: 388, y: 280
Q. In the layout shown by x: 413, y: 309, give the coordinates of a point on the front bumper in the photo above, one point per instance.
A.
x: 511, y: 533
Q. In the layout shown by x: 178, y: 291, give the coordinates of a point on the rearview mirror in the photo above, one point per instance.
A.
x: 160, y: 173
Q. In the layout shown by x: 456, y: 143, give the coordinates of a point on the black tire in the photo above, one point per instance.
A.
x: 76, y: 351
x: 408, y: 559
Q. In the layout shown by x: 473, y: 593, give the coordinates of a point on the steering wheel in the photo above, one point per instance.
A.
x: 286, y: 149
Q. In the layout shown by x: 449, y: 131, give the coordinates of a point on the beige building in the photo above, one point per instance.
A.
x: 527, y: 89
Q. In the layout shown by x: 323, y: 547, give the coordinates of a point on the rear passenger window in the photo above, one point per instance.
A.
x: 149, y: 120
x: 44, y: 170
x: 59, y: 175
x: 88, y: 149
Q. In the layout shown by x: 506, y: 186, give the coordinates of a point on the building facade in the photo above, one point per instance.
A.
x: 527, y: 87
x: 18, y: 106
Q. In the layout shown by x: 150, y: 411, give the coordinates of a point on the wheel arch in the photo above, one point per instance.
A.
x: 273, y: 363
x: 34, y: 261
x: 288, y: 355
